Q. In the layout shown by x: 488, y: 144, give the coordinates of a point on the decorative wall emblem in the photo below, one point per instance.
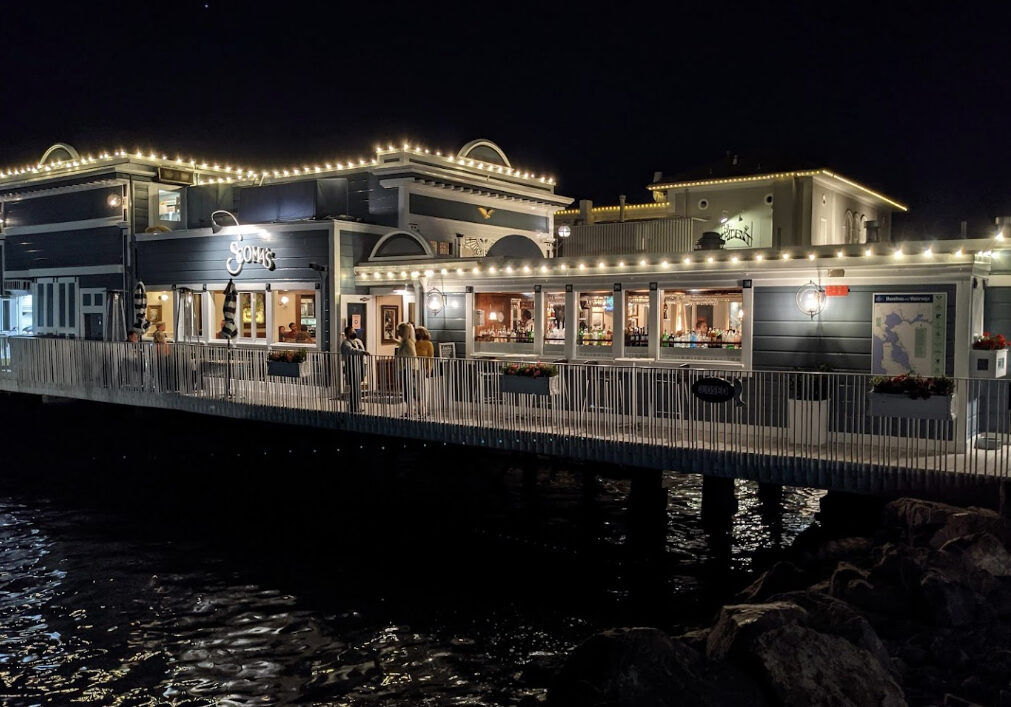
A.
x: 485, y: 212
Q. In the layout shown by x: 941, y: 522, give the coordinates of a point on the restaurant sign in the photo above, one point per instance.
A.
x: 242, y: 254
x: 718, y: 390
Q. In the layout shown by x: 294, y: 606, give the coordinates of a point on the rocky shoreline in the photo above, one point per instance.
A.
x: 906, y: 602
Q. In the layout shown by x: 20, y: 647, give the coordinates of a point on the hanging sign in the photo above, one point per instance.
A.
x: 242, y: 254
x: 718, y: 390
x: 837, y: 290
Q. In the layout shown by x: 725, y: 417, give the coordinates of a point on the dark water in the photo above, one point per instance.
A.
x: 214, y: 563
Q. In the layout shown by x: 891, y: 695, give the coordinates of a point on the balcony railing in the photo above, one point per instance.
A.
x: 808, y: 423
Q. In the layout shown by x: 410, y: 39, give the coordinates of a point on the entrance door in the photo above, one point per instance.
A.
x: 93, y: 313
x: 358, y: 320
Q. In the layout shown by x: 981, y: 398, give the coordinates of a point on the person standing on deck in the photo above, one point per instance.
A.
x: 406, y: 357
x: 353, y: 353
x: 426, y: 352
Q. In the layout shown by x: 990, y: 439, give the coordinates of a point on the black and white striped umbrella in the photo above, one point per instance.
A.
x: 140, y: 322
x: 228, y: 328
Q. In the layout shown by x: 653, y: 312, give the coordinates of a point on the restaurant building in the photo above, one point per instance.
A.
x: 80, y: 231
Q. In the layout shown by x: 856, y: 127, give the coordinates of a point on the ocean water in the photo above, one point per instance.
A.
x: 213, y: 563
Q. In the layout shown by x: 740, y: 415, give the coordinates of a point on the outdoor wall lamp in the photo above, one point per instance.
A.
x: 220, y: 219
x: 811, y: 299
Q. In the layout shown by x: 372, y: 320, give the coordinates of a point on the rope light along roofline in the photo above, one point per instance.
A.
x: 777, y: 175
x: 734, y: 261
x: 162, y: 159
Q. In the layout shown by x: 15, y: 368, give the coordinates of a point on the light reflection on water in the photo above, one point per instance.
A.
x: 93, y: 613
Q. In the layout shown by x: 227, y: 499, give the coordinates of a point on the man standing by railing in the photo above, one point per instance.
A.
x: 353, y: 354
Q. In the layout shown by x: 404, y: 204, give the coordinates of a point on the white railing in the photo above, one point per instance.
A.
x: 784, y: 425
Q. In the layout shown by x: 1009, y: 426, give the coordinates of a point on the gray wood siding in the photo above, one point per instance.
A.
x: 461, y: 211
x: 141, y: 206
x: 840, y: 337
x: 355, y: 248
x: 448, y: 325
x: 201, y: 260
x: 64, y: 249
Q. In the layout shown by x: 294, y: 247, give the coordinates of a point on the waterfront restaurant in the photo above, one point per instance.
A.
x: 78, y: 231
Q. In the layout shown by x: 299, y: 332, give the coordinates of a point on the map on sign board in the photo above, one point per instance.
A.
x: 908, y: 333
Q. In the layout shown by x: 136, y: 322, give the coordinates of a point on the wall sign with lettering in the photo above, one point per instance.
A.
x: 243, y: 254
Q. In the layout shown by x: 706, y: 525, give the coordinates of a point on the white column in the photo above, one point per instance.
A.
x: 571, y: 324
x: 539, y: 323
x: 655, y: 319
x: 468, y: 324
x: 747, y: 331
x: 419, y: 303
x: 618, y: 324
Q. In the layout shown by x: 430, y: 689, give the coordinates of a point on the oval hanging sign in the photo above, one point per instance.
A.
x: 715, y: 390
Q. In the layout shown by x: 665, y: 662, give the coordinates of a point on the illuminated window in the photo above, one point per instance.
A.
x: 554, y: 319
x: 503, y: 318
x: 170, y: 205
x: 637, y: 318
x: 295, y: 316
x: 702, y: 319
x: 596, y: 319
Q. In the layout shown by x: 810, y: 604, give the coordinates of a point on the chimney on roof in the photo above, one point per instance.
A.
x: 621, y: 208
x: 734, y: 161
x: 963, y: 229
x: 657, y: 177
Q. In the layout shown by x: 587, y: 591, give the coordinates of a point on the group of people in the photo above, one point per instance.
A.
x: 297, y: 333
x: 414, y: 359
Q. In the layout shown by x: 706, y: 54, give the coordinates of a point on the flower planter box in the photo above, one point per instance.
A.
x: 531, y: 386
x: 284, y: 369
x: 807, y: 421
x: 984, y: 363
x: 936, y: 407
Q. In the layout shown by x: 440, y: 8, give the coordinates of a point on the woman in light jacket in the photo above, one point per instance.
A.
x: 408, y: 367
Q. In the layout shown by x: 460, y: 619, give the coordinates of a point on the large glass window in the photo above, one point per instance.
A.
x: 637, y: 319
x: 596, y: 318
x: 252, y: 315
x: 295, y: 316
x: 702, y: 319
x: 504, y: 318
x: 160, y: 308
x: 554, y: 319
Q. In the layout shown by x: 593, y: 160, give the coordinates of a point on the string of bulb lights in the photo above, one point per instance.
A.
x: 926, y: 255
x: 241, y: 173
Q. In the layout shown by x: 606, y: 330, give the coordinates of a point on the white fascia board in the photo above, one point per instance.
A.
x: 58, y: 272
x: 479, y: 182
x: 495, y: 200
x: 53, y: 191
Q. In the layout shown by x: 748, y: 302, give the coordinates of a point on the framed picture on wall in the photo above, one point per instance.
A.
x: 154, y: 313
x: 389, y: 318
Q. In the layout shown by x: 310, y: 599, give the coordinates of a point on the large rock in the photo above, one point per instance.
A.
x: 829, y: 615
x: 916, y: 520
x: 643, y: 667
x: 972, y: 520
x: 980, y: 552
x: 781, y: 577
x: 740, y: 624
x: 948, y: 603
x: 804, y: 667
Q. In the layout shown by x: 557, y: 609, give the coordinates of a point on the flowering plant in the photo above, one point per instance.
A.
x: 287, y: 355
x: 990, y: 342
x: 913, y: 385
x: 530, y: 370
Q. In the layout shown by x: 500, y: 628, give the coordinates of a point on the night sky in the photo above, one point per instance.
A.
x: 912, y: 104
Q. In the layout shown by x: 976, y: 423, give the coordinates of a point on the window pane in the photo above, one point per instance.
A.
x: 702, y: 319
x: 160, y: 305
x: 294, y: 316
x: 72, y: 305
x: 245, y: 315
x: 169, y: 205
x: 596, y: 318
x: 637, y: 318
x: 507, y: 317
x: 554, y: 319
x: 49, y: 305
x: 99, y: 299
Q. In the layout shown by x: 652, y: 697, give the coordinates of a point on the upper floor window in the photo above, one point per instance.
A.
x: 170, y: 205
